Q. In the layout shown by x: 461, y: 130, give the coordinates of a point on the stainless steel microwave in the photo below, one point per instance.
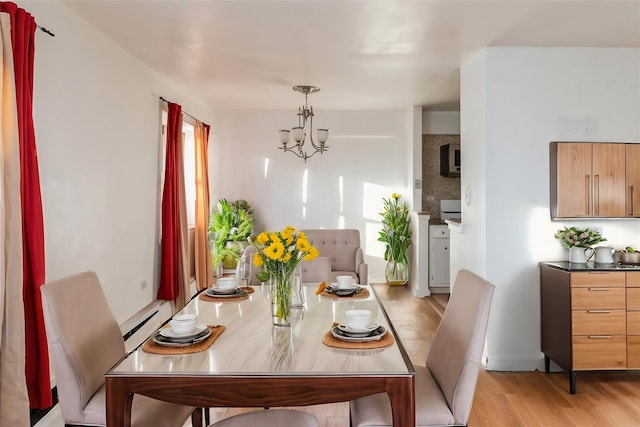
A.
x: 450, y: 160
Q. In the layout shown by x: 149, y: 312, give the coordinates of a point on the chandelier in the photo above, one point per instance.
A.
x: 299, y: 133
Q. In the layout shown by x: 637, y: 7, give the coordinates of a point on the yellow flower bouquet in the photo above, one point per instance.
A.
x: 280, y: 253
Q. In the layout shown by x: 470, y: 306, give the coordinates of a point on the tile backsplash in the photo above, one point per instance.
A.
x: 433, y: 184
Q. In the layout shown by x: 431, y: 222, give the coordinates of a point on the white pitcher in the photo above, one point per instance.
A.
x: 604, y: 255
x: 579, y: 255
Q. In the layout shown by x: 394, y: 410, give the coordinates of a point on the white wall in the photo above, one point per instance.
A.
x: 527, y: 97
x: 96, y: 114
x: 414, y: 160
x: 441, y: 122
x: 366, y: 161
x: 468, y: 249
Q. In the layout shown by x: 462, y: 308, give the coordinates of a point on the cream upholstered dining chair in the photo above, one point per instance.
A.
x: 269, y: 417
x: 316, y: 270
x: 85, y: 341
x: 342, y: 246
x: 445, y: 387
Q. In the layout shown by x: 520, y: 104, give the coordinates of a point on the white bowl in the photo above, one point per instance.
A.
x: 183, y: 323
x: 226, y: 283
x: 358, y: 318
x: 344, y: 281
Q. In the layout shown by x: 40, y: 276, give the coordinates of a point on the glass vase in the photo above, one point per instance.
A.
x: 297, y: 295
x: 280, y: 300
x: 217, y: 268
x: 236, y: 247
x: 397, y: 273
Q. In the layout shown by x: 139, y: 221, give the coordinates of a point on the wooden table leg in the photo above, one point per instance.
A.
x: 401, y: 392
x: 118, y: 403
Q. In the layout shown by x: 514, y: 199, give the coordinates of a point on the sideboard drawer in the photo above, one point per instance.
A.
x: 600, y: 278
x: 633, y: 279
x: 599, y: 352
x: 633, y: 298
x: 598, y: 297
x: 633, y: 322
x: 633, y: 352
x: 599, y: 322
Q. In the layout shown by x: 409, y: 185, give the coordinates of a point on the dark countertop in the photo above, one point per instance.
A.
x: 591, y: 266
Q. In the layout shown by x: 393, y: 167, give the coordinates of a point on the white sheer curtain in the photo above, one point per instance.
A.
x: 14, y: 398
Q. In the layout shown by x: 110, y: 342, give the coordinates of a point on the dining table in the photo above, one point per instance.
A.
x: 254, y: 363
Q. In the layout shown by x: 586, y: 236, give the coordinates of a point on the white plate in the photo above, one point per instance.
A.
x: 237, y: 292
x: 216, y: 290
x: 359, y: 331
x: 375, y: 335
x: 168, y: 332
x: 168, y: 342
x: 336, y: 287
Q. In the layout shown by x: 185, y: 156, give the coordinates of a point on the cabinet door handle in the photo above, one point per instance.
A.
x: 599, y: 289
x: 599, y: 311
x: 631, y: 198
x: 596, y: 196
x: 599, y: 337
x: 587, y: 190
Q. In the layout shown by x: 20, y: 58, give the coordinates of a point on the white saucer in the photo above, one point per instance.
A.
x: 225, y: 291
x: 375, y: 335
x: 168, y: 332
x: 237, y: 292
x: 348, y: 329
x: 182, y: 342
x: 351, y: 287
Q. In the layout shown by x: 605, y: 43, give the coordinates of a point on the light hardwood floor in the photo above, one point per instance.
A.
x: 502, y: 398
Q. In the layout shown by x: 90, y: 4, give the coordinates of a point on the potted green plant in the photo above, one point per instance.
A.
x: 396, y: 234
x: 230, y: 227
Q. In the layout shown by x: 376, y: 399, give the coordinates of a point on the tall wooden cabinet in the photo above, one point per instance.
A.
x: 633, y: 179
x: 587, y: 179
x: 590, y: 320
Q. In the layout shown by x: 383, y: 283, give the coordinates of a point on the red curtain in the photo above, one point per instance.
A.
x: 23, y: 28
x: 170, y: 243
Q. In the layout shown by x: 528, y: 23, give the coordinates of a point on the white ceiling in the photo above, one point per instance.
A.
x: 364, y: 55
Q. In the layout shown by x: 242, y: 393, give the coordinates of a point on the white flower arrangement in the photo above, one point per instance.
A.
x: 579, y: 237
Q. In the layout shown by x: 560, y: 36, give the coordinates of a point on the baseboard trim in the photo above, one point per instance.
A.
x: 514, y: 365
x: 37, y: 414
x: 139, y: 325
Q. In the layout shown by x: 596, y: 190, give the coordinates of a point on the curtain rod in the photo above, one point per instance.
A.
x: 44, y: 30
x: 183, y: 112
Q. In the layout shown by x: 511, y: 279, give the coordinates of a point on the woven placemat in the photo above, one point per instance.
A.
x: 151, y: 347
x: 329, y: 340
x: 206, y: 297
x: 363, y: 294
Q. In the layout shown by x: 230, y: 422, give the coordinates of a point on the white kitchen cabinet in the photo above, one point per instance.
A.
x: 439, y: 258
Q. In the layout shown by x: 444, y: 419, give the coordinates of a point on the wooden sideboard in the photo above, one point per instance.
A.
x: 590, y: 318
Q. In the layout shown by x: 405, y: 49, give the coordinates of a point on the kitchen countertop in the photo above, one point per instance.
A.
x: 591, y: 266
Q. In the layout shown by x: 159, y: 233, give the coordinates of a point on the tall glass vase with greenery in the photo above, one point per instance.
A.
x: 396, y: 234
